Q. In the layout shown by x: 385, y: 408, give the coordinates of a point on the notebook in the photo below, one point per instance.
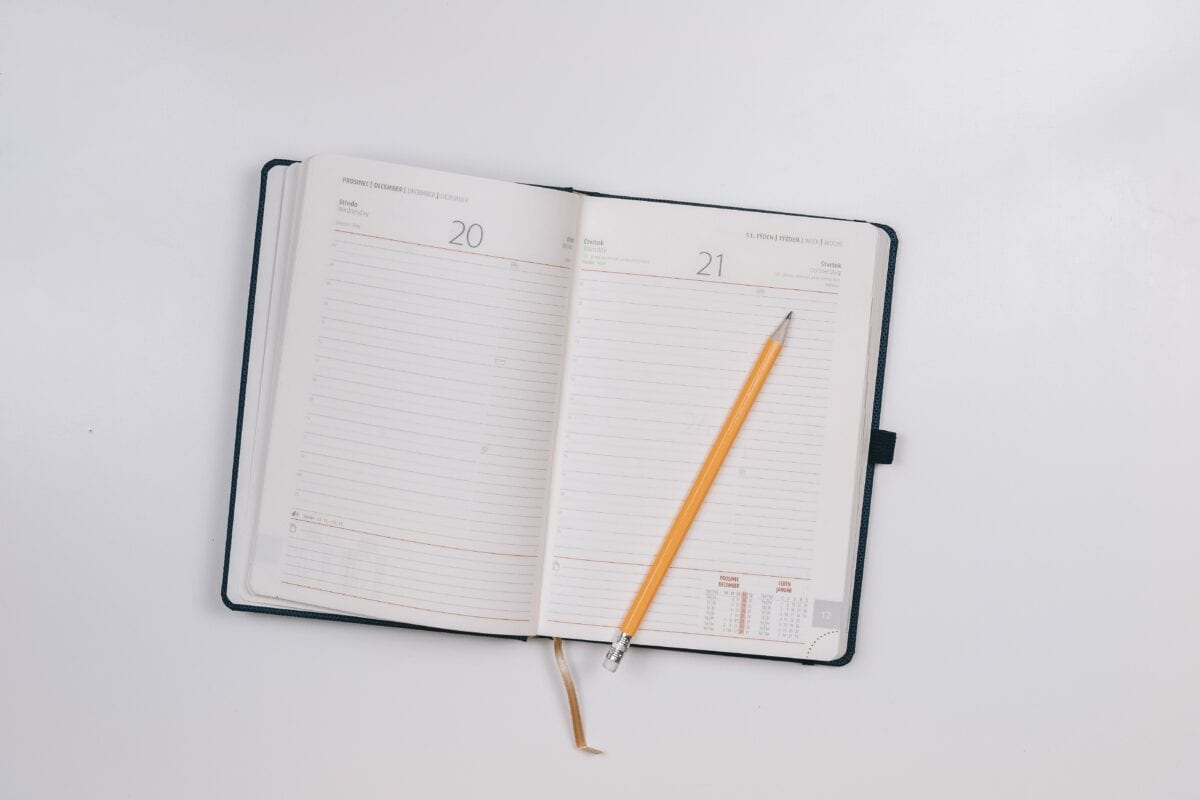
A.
x: 474, y: 405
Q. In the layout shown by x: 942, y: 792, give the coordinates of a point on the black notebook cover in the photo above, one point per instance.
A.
x: 880, y: 447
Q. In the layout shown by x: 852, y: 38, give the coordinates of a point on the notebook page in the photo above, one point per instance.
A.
x: 416, y: 397
x: 281, y: 207
x: 670, y: 308
x: 278, y: 211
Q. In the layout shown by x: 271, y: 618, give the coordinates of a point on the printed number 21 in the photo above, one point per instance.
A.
x: 708, y: 260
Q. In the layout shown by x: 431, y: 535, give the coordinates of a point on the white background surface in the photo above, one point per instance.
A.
x: 1029, y: 619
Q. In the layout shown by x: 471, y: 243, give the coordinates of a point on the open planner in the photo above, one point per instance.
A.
x: 475, y: 405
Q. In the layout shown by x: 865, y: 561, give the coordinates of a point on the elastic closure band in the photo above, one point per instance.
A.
x: 572, y: 700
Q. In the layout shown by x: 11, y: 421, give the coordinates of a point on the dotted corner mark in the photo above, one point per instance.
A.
x: 819, y: 638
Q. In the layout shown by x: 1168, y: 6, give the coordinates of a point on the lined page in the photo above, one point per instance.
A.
x: 671, y: 307
x: 417, y: 394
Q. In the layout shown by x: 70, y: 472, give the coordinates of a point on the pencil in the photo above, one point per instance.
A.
x: 695, y: 496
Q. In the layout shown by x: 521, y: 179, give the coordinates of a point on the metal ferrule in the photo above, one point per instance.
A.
x: 616, y: 652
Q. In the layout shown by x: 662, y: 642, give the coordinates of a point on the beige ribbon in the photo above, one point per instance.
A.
x: 572, y: 700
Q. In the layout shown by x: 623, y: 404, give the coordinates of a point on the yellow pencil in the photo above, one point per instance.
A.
x: 695, y: 496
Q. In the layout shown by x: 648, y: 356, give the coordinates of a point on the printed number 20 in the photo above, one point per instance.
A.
x: 470, y: 235
x: 708, y: 260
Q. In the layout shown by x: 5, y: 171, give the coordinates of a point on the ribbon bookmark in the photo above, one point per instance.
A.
x: 572, y: 700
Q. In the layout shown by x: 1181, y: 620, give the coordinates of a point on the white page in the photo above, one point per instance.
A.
x: 278, y: 199
x: 416, y: 398
x: 670, y: 308
x: 280, y: 208
x: 249, y: 470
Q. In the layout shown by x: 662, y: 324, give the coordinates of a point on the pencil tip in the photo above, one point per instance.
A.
x: 781, y: 330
